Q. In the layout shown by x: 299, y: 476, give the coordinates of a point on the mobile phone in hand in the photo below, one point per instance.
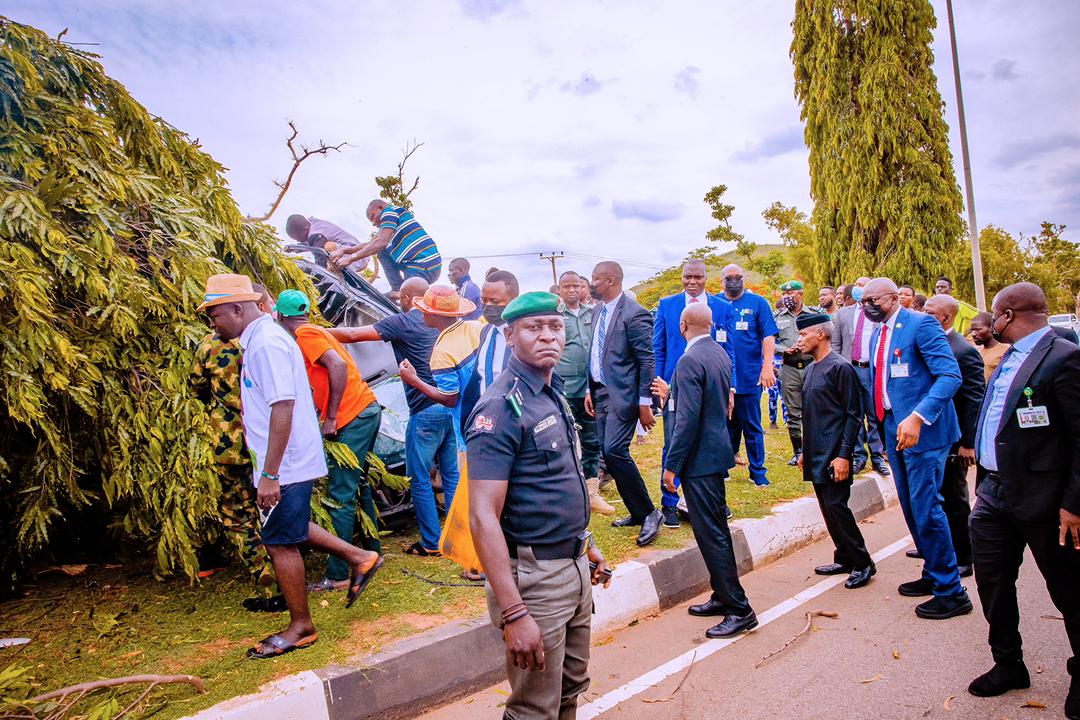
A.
x: 604, y: 576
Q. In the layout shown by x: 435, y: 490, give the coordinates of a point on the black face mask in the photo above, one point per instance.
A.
x: 733, y: 286
x: 994, y: 332
x: 789, y: 302
x: 594, y: 293
x: 493, y: 314
x: 873, y: 312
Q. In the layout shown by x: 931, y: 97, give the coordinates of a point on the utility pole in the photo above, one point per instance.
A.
x: 553, y: 256
x: 973, y: 228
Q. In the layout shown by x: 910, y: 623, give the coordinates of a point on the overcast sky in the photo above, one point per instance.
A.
x: 587, y: 127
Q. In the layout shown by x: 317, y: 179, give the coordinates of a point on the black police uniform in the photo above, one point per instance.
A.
x: 522, y: 432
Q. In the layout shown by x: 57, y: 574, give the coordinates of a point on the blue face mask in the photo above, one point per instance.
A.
x: 856, y: 292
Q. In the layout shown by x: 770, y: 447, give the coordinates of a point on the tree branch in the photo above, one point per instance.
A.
x: 298, y: 157
x: 86, y: 687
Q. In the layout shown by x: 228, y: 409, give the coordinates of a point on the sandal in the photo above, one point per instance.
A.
x: 360, y: 581
x: 265, y: 604
x: 276, y: 645
x: 327, y: 585
x: 473, y: 575
x: 420, y: 551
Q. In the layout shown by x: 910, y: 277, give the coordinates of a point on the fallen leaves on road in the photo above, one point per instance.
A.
x: 606, y: 641
x: 948, y: 702
x: 1044, y: 617
x: 867, y: 681
x: 324, y: 603
x: 896, y: 654
x: 1034, y: 704
x: 806, y: 628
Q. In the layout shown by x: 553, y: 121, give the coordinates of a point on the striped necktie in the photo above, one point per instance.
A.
x: 601, y: 341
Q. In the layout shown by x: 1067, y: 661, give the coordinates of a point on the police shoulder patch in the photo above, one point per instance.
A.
x: 484, y: 423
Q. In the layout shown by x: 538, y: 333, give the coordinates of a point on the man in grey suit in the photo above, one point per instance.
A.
x: 621, y: 370
x: 700, y: 453
x: 851, y: 339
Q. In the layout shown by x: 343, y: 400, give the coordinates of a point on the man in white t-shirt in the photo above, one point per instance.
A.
x: 318, y: 233
x: 282, y: 432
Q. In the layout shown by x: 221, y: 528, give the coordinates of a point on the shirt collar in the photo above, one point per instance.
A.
x: 1027, y: 343
x: 693, y: 341
x: 456, y: 324
x: 245, y: 337
x: 613, y: 303
x: 465, y: 279
x: 891, y: 321
x: 530, y: 377
x: 703, y: 297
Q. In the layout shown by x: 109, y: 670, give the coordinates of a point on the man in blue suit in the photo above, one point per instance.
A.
x: 669, y: 346
x: 914, y: 376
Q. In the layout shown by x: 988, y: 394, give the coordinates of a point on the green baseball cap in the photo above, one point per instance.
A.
x: 531, y: 303
x: 292, y: 303
x: 792, y: 285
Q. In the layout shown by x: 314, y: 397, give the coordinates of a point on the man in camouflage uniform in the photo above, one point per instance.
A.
x: 215, y: 377
x: 793, y: 361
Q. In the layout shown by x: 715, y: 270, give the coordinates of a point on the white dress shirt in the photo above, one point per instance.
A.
x: 867, y: 329
x: 702, y: 298
x: 594, y: 351
x: 492, y: 356
x: 889, y: 323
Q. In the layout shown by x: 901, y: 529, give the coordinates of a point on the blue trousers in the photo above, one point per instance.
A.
x: 918, y: 474
x: 746, y: 420
x: 869, y: 433
x: 430, y: 438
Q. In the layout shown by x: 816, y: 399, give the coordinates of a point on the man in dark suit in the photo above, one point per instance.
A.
x: 914, y: 376
x: 700, y: 453
x: 621, y: 370
x: 669, y: 346
x: 967, y: 401
x: 1028, y: 448
x: 831, y: 396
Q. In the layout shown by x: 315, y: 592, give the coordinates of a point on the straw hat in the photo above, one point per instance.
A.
x: 228, y: 288
x: 444, y: 300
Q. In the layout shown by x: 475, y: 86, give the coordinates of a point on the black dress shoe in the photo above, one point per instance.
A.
x: 881, y: 468
x: 1000, y: 679
x: 916, y: 588
x: 650, y: 528
x: 733, y: 625
x: 942, y: 608
x: 859, y: 578
x: 627, y: 521
x: 914, y: 554
x: 858, y: 467
x: 709, y: 608
x: 671, y: 517
x: 727, y: 512
x: 966, y: 570
x: 832, y: 569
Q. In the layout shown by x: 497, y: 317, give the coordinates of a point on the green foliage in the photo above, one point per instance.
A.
x: 797, y: 233
x: 886, y: 199
x: 771, y: 268
x: 721, y: 213
x: 110, y: 222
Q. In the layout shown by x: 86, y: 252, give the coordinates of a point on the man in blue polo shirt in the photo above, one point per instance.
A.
x: 754, y: 338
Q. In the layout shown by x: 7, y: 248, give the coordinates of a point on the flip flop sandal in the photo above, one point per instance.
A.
x: 325, y: 585
x: 276, y: 645
x: 265, y: 604
x: 360, y: 581
x: 473, y: 575
x: 420, y: 551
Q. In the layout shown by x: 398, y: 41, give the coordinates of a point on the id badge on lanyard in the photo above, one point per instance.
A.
x: 1032, y: 416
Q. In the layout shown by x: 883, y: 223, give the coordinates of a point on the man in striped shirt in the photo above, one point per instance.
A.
x: 404, y: 248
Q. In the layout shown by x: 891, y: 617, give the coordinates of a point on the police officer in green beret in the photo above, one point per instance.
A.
x: 529, y: 514
x: 793, y: 362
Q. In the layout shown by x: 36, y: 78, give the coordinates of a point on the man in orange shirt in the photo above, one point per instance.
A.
x: 349, y: 414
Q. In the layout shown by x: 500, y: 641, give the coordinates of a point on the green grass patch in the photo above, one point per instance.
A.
x: 110, y: 622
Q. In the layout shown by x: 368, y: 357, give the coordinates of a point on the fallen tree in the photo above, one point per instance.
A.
x: 110, y: 221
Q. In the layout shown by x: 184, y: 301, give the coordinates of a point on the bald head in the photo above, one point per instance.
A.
x: 374, y: 210
x: 411, y: 289
x: 1021, y: 298
x: 880, y: 286
x: 942, y: 308
x: 297, y: 227
x: 730, y: 270
x: 695, y: 320
x: 1018, y: 311
x: 607, y: 279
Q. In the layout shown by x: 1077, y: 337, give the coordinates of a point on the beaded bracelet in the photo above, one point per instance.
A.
x: 512, y: 609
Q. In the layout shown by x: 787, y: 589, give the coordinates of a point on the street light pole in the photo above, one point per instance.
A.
x: 973, y: 228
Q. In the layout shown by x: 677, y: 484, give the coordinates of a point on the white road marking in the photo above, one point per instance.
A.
x: 654, y: 677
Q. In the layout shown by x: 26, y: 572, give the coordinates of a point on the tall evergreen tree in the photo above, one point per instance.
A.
x: 886, y: 199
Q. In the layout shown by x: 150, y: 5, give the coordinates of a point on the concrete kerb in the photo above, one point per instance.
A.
x: 453, y: 660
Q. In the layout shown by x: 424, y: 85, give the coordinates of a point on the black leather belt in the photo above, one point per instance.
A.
x: 861, y: 363
x: 797, y: 361
x: 565, y: 550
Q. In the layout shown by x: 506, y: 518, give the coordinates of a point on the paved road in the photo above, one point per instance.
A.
x: 876, y: 660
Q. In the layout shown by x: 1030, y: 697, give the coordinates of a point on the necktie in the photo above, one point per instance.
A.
x: 601, y: 340
x: 856, y: 350
x: 489, y: 369
x: 693, y: 300
x: 879, y: 375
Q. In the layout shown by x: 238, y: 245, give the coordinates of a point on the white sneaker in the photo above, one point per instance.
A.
x: 681, y: 507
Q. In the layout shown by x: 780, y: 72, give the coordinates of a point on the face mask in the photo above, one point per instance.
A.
x: 789, y: 302
x: 856, y: 293
x: 493, y: 314
x: 994, y: 332
x: 873, y: 312
x: 733, y: 286
x: 594, y: 293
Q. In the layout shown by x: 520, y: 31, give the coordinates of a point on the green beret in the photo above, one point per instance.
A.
x: 531, y: 303
x: 792, y: 285
x: 811, y: 319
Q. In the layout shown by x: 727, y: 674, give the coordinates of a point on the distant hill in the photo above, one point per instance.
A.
x: 669, y: 281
